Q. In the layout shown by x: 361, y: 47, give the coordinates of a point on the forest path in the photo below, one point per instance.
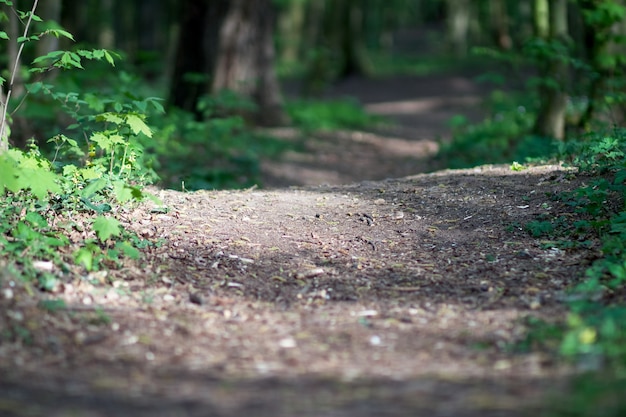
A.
x: 402, y: 297
x: 418, y: 109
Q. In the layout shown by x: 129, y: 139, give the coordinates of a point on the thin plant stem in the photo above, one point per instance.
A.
x: 14, y: 72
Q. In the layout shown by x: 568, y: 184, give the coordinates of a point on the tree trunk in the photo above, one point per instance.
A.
x: 106, y: 32
x: 458, y: 19
x: 500, y: 24
x: 245, y: 61
x: 551, y: 118
x: 291, y: 28
x: 190, y: 56
x: 355, y: 58
x: 541, y: 18
x: 601, y: 42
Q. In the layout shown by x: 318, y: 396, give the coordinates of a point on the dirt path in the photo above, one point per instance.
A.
x: 419, y: 110
x: 380, y: 298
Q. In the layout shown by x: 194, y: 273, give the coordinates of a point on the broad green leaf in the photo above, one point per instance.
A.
x: 105, y: 227
x: 90, y: 173
x: 3, y: 35
x: 107, y: 142
x: 93, y: 187
x: 128, y: 250
x: 69, y: 171
x: 94, y: 102
x: 34, y: 88
x: 111, y: 117
x: 122, y: 192
x: 155, y: 103
x: 101, y: 140
x: 36, y: 219
x: 40, y: 181
x: 8, y: 175
x: 84, y: 257
x: 85, y: 53
x: 137, y: 125
x: 70, y: 60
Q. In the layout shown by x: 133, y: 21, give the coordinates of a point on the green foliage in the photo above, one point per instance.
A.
x: 27, y: 171
x: 218, y: 151
x: 311, y: 115
x: 503, y: 137
x: 96, y: 163
x: 591, y: 395
x: 594, y: 336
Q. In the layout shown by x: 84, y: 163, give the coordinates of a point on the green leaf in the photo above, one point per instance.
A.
x: 137, y: 125
x: 155, y: 103
x: 3, y: 35
x: 48, y: 282
x: 109, y: 58
x: 61, y: 33
x: 36, y: 219
x: 34, y: 88
x: 128, y: 250
x: 100, y: 208
x: 84, y: 257
x: 9, y: 178
x: 39, y: 180
x: 90, y: 173
x: 93, y: 187
x: 70, y: 60
x: 122, y: 192
x: 111, y: 117
x: 105, y: 227
x: 52, y: 305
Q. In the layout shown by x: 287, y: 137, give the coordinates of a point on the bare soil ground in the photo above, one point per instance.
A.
x: 397, y: 297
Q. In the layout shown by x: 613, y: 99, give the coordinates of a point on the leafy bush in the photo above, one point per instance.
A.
x: 502, y: 137
x: 594, y: 335
x: 311, y: 115
x: 218, y: 151
x: 97, y: 163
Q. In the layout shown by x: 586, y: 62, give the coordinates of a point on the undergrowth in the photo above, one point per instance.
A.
x: 593, y: 336
x: 311, y: 115
x: 59, y: 210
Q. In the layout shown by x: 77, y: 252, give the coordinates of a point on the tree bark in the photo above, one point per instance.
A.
x: 190, y: 59
x: 551, y: 117
x: 601, y: 48
x: 245, y: 61
x: 458, y: 19
x: 500, y: 24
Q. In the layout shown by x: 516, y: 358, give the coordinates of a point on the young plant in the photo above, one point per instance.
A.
x: 79, y: 180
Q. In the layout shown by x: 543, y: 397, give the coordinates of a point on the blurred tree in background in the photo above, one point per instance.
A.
x: 571, y: 51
